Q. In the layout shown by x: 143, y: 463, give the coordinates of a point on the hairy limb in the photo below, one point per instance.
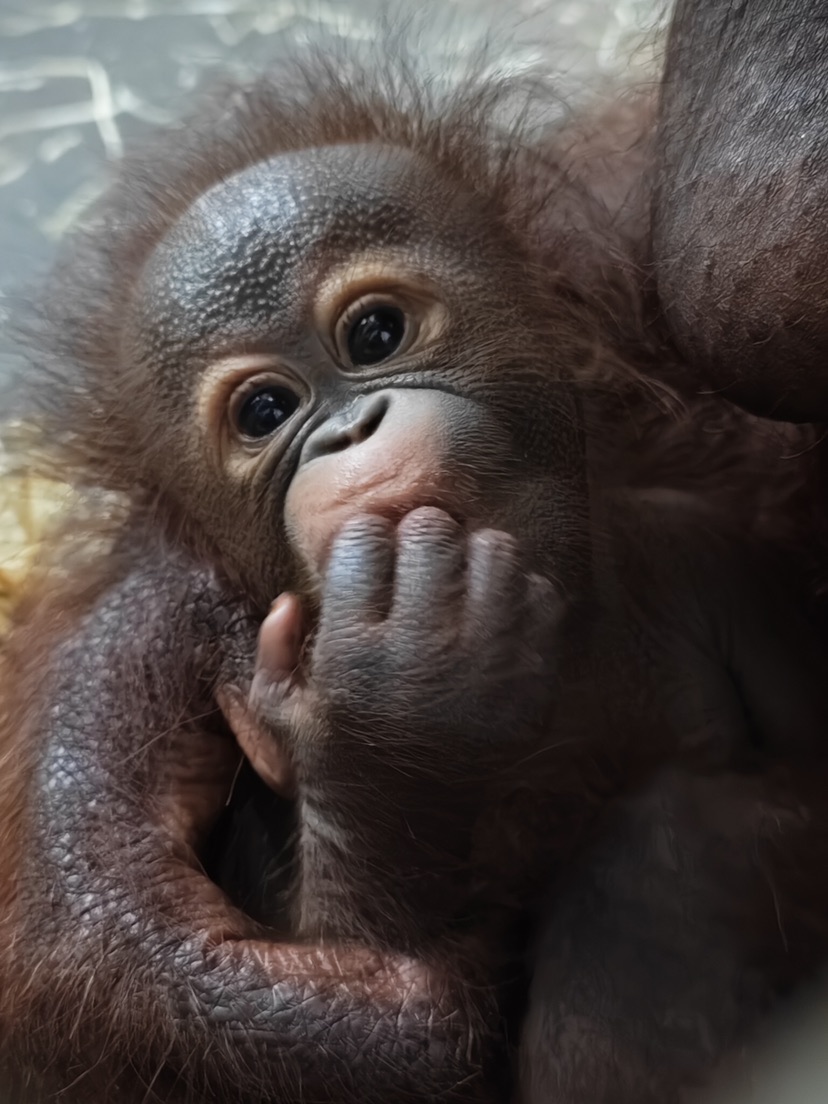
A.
x: 113, y: 924
x: 431, y: 674
x: 739, y: 232
x: 659, y: 957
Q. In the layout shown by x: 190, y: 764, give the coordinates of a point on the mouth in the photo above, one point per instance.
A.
x: 392, y: 509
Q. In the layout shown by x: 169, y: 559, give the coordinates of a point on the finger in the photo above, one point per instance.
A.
x: 260, y: 744
x: 547, y: 608
x: 360, y: 577
x: 496, y: 586
x: 277, y: 675
x: 280, y: 639
x: 431, y: 560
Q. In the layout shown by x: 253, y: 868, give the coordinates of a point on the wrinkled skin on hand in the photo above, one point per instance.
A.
x: 420, y: 622
x: 430, y: 674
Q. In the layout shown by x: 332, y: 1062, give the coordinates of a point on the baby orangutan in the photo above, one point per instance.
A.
x: 539, y: 683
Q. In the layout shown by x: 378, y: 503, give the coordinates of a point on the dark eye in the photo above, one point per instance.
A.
x: 376, y: 335
x: 263, y: 412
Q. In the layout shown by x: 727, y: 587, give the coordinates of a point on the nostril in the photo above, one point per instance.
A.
x: 344, y: 430
x: 372, y: 417
x: 335, y: 438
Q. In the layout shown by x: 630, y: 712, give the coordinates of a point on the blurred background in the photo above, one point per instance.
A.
x: 81, y: 79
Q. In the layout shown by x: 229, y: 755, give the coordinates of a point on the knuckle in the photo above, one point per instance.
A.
x: 343, y: 648
x: 267, y: 696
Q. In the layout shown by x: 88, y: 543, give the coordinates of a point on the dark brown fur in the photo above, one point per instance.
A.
x: 119, y: 662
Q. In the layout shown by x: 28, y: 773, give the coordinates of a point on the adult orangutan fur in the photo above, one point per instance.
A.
x: 542, y: 692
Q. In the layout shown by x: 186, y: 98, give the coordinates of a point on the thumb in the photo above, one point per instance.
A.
x: 263, y: 720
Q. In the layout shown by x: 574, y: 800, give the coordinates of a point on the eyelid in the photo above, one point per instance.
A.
x: 363, y: 303
x: 382, y: 280
x: 224, y: 379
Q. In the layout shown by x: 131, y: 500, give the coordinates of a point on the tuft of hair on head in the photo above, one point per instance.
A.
x: 503, y: 133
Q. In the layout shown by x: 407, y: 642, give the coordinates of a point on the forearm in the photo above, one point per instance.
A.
x: 120, y: 920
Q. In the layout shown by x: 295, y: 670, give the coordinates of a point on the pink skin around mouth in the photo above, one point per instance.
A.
x: 372, y: 479
x: 281, y: 638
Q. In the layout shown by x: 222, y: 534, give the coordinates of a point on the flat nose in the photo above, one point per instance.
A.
x: 353, y: 426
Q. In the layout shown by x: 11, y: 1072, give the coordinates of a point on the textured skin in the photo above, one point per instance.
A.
x: 667, y: 871
x: 526, y: 590
x: 111, y: 849
x: 739, y: 216
x: 446, y: 649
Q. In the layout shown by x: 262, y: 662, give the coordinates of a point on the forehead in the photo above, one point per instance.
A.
x: 250, y: 244
x: 288, y: 203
